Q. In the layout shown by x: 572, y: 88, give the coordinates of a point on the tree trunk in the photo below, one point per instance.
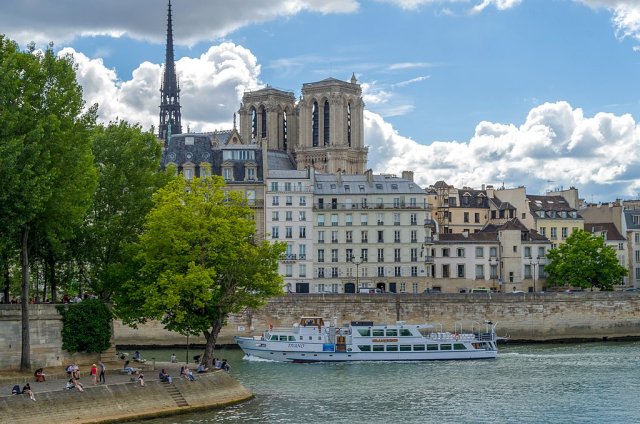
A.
x: 211, y: 337
x: 7, y: 281
x: 25, y: 358
x: 53, y: 284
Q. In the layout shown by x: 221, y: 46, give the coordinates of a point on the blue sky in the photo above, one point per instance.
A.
x: 537, y: 93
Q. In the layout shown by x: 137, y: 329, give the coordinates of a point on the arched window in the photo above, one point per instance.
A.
x: 349, y: 124
x: 314, y: 123
x: 284, y: 130
x: 254, y: 122
x: 325, y: 137
x: 263, y: 122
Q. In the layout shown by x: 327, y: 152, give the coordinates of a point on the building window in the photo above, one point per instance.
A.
x: 227, y: 174
x: 479, y: 272
x: 476, y: 218
x: 479, y: 252
x: 380, y: 271
x: 445, y: 271
x: 320, y: 236
x: 460, y: 252
x: 275, y: 216
x: 288, y: 200
x: 396, y: 218
x: 414, y: 271
x: 541, y: 252
x: 565, y: 232
x: 493, y: 252
x: 320, y: 255
x: 543, y: 231
x: 250, y: 173
x: 288, y: 270
x: 396, y: 255
x: 275, y: 201
x: 494, y: 271
x: 460, y: 270
x: 396, y: 236
x: 302, y: 270
x: 334, y: 272
x: 554, y: 233
x: 288, y: 232
x: 397, y: 271
x: 303, y: 201
x: 334, y: 220
x: 414, y: 219
x: 527, y: 252
x: 364, y: 219
x: 348, y: 220
x: 302, y: 216
x: 380, y: 255
x: 636, y: 238
x: 414, y: 236
x: 288, y: 216
x: 334, y: 236
x: 302, y: 251
x: 320, y: 220
x: 274, y: 232
x: 364, y: 237
x: 414, y: 254
x: 349, y: 254
x: 364, y: 254
x: 303, y: 232
x: 380, y: 236
x: 349, y: 236
x: 320, y: 272
x: 466, y: 217
x: 334, y: 255
x: 445, y: 252
x: 380, y: 217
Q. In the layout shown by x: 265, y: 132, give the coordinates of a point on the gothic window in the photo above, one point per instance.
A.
x: 314, y: 123
x: 349, y: 124
x: 263, y: 122
x: 326, y: 123
x: 254, y: 122
x: 284, y: 130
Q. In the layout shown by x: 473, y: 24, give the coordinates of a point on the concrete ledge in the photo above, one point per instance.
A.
x: 125, y: 401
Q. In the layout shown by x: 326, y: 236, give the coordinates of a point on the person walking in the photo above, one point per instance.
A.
x: 102, y: 368
x: 141, y: 378
x: 94, y: 374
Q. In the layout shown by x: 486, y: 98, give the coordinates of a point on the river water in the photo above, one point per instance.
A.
x: 542, y: 383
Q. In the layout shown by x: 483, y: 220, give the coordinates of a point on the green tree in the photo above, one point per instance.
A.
x: 199, y: 261
x: 584, y: 260
x: 128, y: 164
x: 45, y: 155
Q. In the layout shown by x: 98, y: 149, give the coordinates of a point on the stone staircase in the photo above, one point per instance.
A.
x: 175, y: 395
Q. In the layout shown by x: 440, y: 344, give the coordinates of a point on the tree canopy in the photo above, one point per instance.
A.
x: 199, y: 261
x: 128, y: 163
x: 584, y: 260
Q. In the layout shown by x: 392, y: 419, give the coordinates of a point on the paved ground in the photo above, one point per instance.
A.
x: 56, y: 378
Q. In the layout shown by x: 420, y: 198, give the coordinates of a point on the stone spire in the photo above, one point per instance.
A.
x: 170, y: 121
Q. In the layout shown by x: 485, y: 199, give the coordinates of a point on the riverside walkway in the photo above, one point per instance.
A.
x: 121, y: 398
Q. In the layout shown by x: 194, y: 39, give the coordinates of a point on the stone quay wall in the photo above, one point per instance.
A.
x: 124, y: 401
x: 45, y: 334
x: 535, y: 317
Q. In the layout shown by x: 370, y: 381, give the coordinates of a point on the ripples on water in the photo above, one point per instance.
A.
x: 569, y: 383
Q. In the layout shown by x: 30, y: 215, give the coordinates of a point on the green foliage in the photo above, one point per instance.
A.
x: 86, y: 326
x: 128, y: 163
x: 584, y: 260
x: 199, y: 261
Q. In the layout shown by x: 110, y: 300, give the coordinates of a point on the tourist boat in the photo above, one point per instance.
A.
x: 314, y: 340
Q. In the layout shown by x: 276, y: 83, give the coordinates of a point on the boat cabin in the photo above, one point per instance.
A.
x: 311, y: 322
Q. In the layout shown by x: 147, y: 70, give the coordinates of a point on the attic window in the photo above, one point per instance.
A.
x: 361, y: 187
x: 394, y: 186
x: 379, y: 186
x: 319, y: 185
x: 333, y: 186
x: 347, y: 189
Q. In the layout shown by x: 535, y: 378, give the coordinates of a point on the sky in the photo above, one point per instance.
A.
x: 537, y: 93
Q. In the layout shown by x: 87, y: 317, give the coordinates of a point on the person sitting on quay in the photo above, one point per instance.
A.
x: 75, y: 384
x: 137, y: 357
x: 202, y: 368
x: 127, y: 369
x: 164, y: 376
x: 174, y: 360
x: 40, y: 375
x: 26, y: 390
x: 217, y: 363
x: 225, y: 365
x: 183, y: 372
x: 141, y: 378
x: 189, y: 374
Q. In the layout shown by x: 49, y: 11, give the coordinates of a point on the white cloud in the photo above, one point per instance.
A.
x: 411, y: 81
x: 499, y: 4
x: 194, y: 20
x: 600, y: 155
x: 626, y: 15
x: 407, y: 65
x: 211, y: 87
x: 478, y: 7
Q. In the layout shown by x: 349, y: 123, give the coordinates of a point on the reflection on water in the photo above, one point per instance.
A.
x: 569, y: 383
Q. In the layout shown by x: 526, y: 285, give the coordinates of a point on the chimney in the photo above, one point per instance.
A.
x: 369, y: 174
x: 465, y: 233
x: 407, y: 175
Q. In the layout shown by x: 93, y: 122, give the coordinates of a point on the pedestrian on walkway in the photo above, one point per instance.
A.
x: 94, y: 374
x: 141, y: 378
x: 102, y: 368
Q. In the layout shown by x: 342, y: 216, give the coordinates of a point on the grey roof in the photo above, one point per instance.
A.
x: 548, y: 203
x: 289, y: 174
x: 278, y: 160
x: 471, y: 198
x: 359, y: 184
x: 515, y: 224
x: 628, y: 217
x: 612, y: 233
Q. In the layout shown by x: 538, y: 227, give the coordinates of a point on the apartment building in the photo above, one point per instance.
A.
x: 369, y: 232
x: 554, y: 217
x: 613, y: 239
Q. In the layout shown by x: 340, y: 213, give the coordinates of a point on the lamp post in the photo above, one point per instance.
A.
x: 357, y: 263
x: 534, y: 263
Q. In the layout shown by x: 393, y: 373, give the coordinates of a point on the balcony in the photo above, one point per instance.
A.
x: 289, y: 257
x: 361, y: 206
x: 428, y: 259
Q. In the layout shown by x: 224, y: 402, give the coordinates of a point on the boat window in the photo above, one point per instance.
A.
x: 364, y: 332
x: 432, y: 347
x: 392, y: 348
x: 292, y: 338
x: 418, y: 347
x: 445, y: 347
x: 378, y: 348
x: 310, y: 338
x: 274, y: 337
x: 301, y: 338
x: 405, y: 332
x: 364, y: 348
x: 405, y: 348
x: 319, y: 337
x: 379, y: 332
x: 392, y: 332
x: 459, y: 346
x: 283, y: 338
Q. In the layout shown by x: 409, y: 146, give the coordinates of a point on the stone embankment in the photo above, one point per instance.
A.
x: 525, y: 317
x: 121, y: 399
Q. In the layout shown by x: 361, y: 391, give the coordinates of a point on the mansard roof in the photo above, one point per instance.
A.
x: 500, y: 205
x: 514, y: 224
x: 471, y: 198
x: 548, y: 203
x: 612, y: 233
x: 356, y: 184
x: 632, y: 222
x: 279, y: 160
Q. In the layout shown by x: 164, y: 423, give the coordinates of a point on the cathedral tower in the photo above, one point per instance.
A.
x: 170, y: 121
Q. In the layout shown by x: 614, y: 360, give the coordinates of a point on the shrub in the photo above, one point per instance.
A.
x: 86, y: 326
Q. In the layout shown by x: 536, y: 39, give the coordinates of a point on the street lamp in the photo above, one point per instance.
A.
x: 357, y: 263
x: 534, y: 263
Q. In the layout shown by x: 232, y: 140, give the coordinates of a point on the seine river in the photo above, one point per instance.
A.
x: 560, y: 383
